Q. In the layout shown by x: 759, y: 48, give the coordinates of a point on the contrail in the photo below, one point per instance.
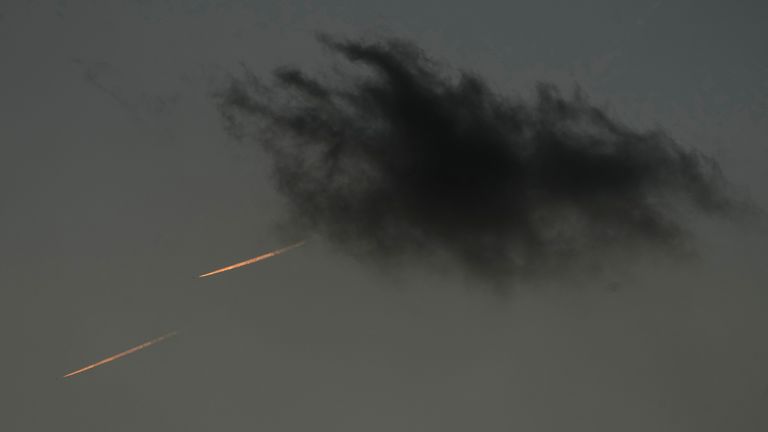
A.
x: 122, y: 354
x: 253, y: 260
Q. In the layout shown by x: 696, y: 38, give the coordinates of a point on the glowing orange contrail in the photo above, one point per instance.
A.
x: 253, y: 260
x: 122, y: 354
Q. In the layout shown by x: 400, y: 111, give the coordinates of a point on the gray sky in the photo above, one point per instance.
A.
x: 119, y: 186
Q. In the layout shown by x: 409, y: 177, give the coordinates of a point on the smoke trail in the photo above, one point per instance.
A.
x: 122, y: 354
x: 403, y: 160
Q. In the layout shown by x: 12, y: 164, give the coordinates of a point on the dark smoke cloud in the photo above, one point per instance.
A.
x: 401, y: 158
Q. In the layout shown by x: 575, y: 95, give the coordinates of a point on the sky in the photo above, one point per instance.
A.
x: 120, y: 184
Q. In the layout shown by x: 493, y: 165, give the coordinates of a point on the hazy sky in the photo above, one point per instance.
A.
x: 119, y: 186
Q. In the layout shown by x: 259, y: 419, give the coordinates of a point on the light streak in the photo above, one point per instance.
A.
x: 122, y: 354
x: 253, y: 260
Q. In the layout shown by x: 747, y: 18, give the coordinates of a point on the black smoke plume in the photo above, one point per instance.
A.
x: 399, y: 158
